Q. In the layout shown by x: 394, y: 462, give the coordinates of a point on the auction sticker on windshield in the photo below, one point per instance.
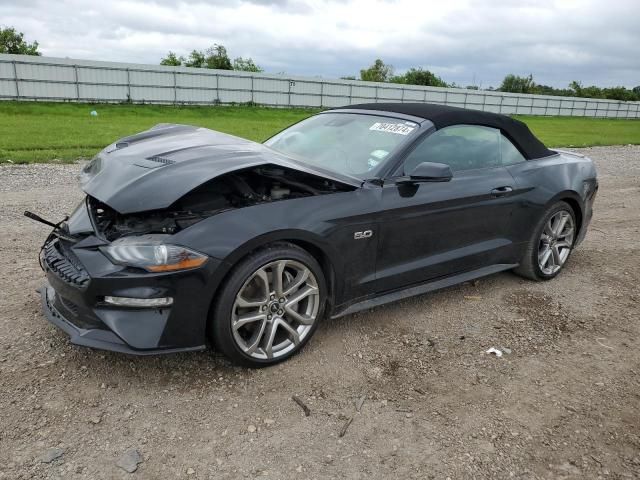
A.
x: 397, y: 128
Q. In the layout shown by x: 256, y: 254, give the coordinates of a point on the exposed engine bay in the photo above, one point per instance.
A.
x: 239, y: 189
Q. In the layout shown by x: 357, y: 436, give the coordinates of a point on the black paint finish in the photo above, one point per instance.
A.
x: 423, y: 236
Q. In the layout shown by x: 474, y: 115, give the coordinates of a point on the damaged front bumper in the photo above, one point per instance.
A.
x: 79, y: 279
x: 95, y: 337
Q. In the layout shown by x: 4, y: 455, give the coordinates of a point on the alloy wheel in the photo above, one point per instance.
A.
x: 275, y: 309
x: 556, y: 242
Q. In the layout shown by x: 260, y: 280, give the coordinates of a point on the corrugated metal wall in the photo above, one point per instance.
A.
x: 25, y: 77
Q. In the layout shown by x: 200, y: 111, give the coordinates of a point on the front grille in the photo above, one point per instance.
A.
x: 61, y: 260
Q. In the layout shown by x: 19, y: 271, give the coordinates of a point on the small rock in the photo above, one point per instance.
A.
x: 190, y: 471
x: 251, y: 428
x: 95, y: 419
x: 299, y: 469
x: 51, y: 455
x: 129, y: 460
x: 269, y: 421
x: 507, y: 351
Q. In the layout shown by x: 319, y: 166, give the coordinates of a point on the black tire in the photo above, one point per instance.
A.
x: 220, y: 321
x: 529, y: 267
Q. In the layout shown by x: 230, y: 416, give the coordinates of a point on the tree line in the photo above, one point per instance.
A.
x: 215, y: 56
x: 381, y: 72
x: 12, y: 41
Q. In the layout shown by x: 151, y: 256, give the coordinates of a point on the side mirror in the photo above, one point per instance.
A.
x: 428, y: 172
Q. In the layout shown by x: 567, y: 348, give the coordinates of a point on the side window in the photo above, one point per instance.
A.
x: 462, y: 147
x: 509, y: 153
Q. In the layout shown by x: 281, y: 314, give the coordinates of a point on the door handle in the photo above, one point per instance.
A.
x: 501, y: 191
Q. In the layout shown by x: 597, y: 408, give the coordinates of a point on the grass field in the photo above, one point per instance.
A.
x: 36, y: 132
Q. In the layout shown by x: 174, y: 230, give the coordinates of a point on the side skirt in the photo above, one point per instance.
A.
x: 423, y: 288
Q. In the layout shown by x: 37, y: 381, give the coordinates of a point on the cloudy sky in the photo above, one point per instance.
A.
x: 463, y: 41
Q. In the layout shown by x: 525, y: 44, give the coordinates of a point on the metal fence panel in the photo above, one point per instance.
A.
x: 6, y: 70
x: 151, y: 79
x: 8, y: 89
x: 102, y: 76
x: 47, y: 73
x: 41, y: 78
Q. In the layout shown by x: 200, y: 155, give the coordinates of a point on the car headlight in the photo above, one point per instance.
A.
x: 153, y: 256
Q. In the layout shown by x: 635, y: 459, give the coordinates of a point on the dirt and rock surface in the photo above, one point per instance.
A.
x: 424, y: 399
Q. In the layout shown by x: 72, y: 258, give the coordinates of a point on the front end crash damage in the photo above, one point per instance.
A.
x: 241, y: 189
x: 115, y: 279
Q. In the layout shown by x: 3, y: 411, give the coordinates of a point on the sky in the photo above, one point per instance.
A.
x: 469, y: 42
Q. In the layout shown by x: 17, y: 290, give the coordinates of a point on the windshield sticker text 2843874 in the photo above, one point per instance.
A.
x: 397, y: 128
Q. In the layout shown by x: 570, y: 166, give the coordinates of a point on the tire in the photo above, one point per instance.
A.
x: 257, y: 321
x: 546, y: 242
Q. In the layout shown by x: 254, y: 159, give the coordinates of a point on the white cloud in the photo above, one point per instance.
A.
x: 557, y: 41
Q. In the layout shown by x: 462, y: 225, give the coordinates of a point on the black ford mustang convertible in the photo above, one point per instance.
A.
x: 187, y: 235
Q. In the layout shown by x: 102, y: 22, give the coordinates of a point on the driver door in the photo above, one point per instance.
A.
x: 432, y: 230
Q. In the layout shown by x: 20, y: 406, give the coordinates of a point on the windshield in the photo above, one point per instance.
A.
x: 348, y: 143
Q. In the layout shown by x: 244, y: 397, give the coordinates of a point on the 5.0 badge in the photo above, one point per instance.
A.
x: 363, y: 234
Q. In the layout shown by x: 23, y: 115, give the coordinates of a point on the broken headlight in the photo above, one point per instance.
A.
x: 152, y: 255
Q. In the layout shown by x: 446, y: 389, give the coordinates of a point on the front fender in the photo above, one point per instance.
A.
x: 325, y: 222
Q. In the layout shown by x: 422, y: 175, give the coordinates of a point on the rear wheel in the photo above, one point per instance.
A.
x: 269, y: 307
x: 551, y: 244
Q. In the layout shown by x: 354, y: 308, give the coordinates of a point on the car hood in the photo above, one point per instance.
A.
x: 153, y: 169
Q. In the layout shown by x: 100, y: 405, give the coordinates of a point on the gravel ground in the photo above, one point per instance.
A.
x: 423, y: 399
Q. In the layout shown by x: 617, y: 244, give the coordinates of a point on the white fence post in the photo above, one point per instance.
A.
x: 175, y: 88
x: 75, y: 74
x: 15, y: 78
x: 129, y: 99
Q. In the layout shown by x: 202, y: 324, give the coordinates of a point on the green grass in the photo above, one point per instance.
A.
x: 584, y: 132
x: 38, y: 132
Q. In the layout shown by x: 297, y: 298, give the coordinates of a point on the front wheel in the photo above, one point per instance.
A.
x: 551, y: 244
x: 269, y: 307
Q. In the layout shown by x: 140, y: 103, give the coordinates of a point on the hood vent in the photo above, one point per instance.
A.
x: 163, y: 160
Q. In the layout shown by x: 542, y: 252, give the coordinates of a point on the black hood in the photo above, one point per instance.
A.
x: 153, y: 169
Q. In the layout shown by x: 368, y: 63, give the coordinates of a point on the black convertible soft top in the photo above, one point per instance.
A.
x: 444, y: 116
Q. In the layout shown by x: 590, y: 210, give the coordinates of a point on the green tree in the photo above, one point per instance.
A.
x: 576, y: 88
x: 591, y: 92
x: 378, y: 72
x: 217, y: 57
x: 549, y: 90
x: 418, y: 76
x: 515, y: 84
x: 172, y: 60
x: 13, y: 42
x: 246, y: 65
x: 196, y: 59
x: 619, y: 93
